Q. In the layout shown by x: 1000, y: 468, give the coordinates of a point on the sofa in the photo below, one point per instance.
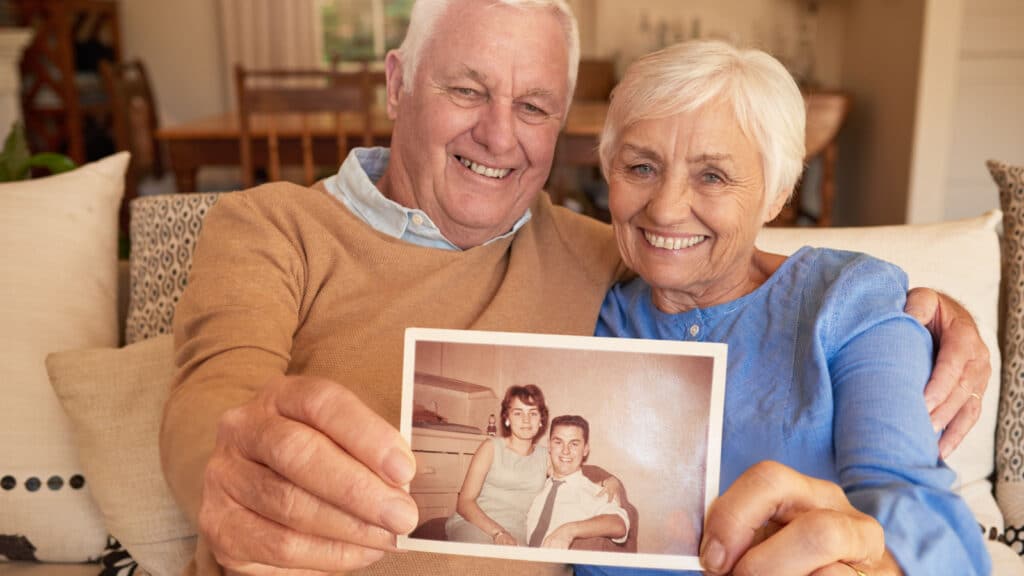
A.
x: 89, y: 360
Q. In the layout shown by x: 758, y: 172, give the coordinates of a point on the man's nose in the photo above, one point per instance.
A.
x: 495, y: 128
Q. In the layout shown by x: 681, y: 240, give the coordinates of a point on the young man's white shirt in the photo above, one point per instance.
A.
x: 575, y: 500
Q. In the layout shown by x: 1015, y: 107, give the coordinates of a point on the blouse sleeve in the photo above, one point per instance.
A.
x: 886, y: 450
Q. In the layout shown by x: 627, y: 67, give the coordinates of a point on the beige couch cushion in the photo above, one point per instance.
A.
x: 115, y: 399
x: 58, y: 291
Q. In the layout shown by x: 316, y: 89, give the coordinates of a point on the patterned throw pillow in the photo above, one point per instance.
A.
x: 164, y: 231
x: 1010, y: 430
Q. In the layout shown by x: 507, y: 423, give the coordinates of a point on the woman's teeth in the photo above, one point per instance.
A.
x: 673, y: 243
x: 482, y: 170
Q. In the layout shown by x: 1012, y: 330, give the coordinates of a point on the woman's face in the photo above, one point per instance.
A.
x: 523, y: 419
x: 687, y: 201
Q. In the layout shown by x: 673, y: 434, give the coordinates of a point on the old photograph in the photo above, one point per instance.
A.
x: 562, y: 448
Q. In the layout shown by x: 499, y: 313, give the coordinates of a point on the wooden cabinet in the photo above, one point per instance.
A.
x: 442, y: 459
x: 64, y: 105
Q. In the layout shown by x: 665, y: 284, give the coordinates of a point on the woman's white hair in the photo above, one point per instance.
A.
x: 426, y: 13
x: 684, y: 77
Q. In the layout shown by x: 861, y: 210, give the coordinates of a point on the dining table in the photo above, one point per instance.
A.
x: 214, y: 140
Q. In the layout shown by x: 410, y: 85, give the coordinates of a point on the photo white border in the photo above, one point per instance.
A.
x: 715, y: 351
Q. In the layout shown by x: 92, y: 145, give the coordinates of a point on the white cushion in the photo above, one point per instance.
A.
x: 960, y: 258
x: 58, y: 290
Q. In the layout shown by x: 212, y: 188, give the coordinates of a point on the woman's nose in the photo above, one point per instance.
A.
x: 671, y: 204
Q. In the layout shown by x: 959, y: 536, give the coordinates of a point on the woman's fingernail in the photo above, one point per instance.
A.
x: 398, y: 515
x: 399, y: 466
x: 712, y: 556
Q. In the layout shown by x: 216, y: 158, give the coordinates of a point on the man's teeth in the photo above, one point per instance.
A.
x: 673, y: 243
x: 482, y: 170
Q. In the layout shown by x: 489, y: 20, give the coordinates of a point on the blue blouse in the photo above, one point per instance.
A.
x: 826, y: 375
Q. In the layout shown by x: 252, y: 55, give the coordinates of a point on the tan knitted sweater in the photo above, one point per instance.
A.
x: 286, y: 280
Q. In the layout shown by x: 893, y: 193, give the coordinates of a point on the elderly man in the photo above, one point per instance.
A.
x: 279, y: 438
x: 569, y: 506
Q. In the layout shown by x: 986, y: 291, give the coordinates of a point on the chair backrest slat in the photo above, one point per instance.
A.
x: 301, y: 103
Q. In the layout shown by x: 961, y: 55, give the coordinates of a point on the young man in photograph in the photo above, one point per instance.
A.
x: 569, y: 506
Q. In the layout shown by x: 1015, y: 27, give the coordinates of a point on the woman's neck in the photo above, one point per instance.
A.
x: 518, y: 445
x: 761, y: 267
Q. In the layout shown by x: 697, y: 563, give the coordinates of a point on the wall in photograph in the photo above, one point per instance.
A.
x: 629, y: 436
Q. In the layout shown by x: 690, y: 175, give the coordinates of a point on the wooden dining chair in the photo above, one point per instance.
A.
x: 134, y: 118
x: 595, y: 80
x: 310, y: 106
x: 826, y: 113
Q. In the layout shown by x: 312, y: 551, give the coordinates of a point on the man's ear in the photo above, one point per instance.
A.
x: 393, y: 71
x: 586, y: 452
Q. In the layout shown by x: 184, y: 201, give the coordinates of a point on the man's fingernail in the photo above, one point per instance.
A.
x: 712, y: 556
x: 398, y: 516
x: 929, y: 403
x: 936, y: 426
x: 399, y: 466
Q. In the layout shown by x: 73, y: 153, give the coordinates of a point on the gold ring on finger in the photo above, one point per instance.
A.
x: 974, y: 395
x: 852, y: 567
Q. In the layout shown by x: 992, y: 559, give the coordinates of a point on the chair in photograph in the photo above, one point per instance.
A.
x: 133, y: 111
x: 321, y: 109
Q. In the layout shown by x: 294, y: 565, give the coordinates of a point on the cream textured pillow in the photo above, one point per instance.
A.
x: 960, y: 258
x: 1010, y: 434
x: 115, y: 399
x: 58, y: 290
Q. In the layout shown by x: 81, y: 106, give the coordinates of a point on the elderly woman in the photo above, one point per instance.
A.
x: 827, y: 441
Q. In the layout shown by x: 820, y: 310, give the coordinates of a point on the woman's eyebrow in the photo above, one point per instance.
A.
x: 640, y: 150
x: 705, y: 158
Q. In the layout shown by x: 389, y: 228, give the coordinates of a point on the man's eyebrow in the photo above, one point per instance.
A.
x: 474, y: 74
x: 537, y: 93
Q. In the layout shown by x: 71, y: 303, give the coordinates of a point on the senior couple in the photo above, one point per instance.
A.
x: 279, y: 439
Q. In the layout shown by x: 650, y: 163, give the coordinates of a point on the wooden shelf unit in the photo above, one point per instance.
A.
x: 62, y: 96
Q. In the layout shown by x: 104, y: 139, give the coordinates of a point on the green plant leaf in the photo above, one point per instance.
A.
x: 14, y: 158
x: 55, y: 163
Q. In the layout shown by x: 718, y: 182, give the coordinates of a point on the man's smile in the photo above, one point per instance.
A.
x: 484, y: 170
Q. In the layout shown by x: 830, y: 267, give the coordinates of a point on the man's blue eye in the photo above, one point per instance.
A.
x: 712, y: 178
x: 642, y: 169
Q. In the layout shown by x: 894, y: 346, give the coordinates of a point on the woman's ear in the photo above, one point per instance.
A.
x: 393, y: 71
x: 772, y: 210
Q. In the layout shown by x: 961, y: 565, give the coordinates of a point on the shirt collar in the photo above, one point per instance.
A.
x: 571, y: 479
x: 354, y: 185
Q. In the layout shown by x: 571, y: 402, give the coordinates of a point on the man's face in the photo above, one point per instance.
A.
x: 473, y: 143
x: 568, y: 450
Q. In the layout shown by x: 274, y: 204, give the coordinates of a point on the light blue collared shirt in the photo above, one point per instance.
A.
x: 355, y: 186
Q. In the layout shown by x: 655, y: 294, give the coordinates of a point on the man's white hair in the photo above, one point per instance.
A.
x: 684, y: 77
x: 426, y: 13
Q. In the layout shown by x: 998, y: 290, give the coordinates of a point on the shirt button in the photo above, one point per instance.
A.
x: 694, y: 330
x: 417, y: 219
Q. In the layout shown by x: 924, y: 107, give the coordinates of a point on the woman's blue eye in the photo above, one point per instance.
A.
x: 642, y: 169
